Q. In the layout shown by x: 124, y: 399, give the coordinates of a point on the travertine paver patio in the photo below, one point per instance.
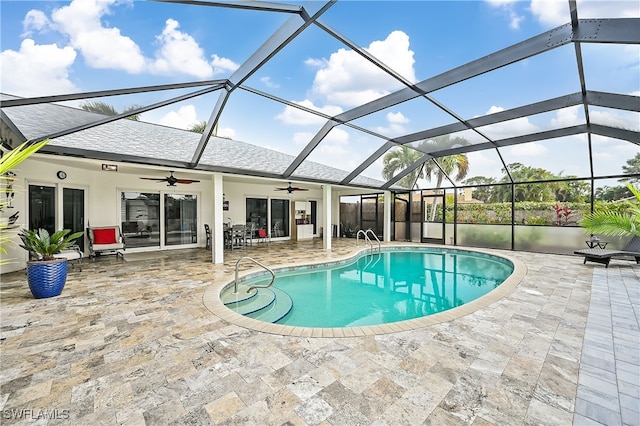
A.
x: 131, y: 342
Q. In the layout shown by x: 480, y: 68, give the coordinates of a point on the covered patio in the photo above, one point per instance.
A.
x: 131, y: 342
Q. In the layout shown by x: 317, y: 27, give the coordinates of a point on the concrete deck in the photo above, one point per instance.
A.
x: 132, y: 342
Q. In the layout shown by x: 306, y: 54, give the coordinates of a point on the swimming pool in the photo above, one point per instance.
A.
x: 400, y: 285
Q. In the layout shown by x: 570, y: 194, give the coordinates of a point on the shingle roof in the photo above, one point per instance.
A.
x: 152, y: 141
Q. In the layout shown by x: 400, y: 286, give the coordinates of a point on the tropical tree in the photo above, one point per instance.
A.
x: 398, y: 159
x: 612, y: 193
x: 200, y: 126
x: 606, y: 221
x: 106, y: 109
x: 632, y: 168
x: 482, y: 193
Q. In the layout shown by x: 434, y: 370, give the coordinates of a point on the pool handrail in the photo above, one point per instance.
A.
x: 235, y: 283
x: 365, y: 237
x: 374, y: 236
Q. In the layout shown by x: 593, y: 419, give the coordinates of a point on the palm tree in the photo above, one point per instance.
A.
x: 106, y: 109
x: 455, y: 166
x: 399, y: 159
x: 612, y: 223
x: 198, y: 127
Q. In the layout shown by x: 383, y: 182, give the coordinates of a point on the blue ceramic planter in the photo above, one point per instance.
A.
x: 47, y: 278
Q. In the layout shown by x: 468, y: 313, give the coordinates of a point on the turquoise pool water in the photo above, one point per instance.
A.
x: 386, y: 287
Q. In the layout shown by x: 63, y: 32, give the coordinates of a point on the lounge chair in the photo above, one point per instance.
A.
x: 604, y: 256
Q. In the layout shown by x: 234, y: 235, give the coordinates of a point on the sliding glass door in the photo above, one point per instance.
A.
x: 180, y: 219
x: 42, y: 207
x: 44, y: 212
x: 280, y: 218
x: 151, y: 219
x: 73, y: 212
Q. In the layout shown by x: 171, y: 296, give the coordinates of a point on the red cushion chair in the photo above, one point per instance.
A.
x: 105, y: 240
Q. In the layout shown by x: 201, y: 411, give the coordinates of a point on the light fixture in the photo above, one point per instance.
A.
x: 110, y: 167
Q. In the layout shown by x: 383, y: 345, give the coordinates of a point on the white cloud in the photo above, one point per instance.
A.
x: 295, y: 116
x: 179, y: 52
x: 551, y: 12
x: 522, y: 153
x: 269, y: 83
x: 302, y: 138
x: 507, y: 129
x: 222, y: 65
x: 556, y: 12
x: 347, y: 79
x: 395, y: 127
x: 36, y: 70
x: 226, y: 132
x: 481, y: 164
x: 397, y: 118
x: 184, y: 118
x: 106, y: 47
x: 566, y: 117
x: 508, y: 6
x: 35, y: 21
x: 101, y: 47
x: 335, y: 150
x: 619, y: 119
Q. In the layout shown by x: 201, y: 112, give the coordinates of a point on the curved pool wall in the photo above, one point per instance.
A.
x: 212, y: 300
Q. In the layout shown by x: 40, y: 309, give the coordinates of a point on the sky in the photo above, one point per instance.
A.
x: 50, y: 47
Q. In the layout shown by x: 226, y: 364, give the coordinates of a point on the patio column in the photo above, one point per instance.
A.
x: 217, y: 239
x: 326, y: 205
x: 387, y: 216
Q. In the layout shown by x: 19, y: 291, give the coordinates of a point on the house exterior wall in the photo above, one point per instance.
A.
x: 102, y: 195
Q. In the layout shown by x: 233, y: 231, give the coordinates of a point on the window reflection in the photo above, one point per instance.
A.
x: 140, y: 215
x: 181, y: 219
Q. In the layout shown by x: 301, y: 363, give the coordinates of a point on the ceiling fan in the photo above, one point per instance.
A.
x: 290, y: 189
x: 171, y: 180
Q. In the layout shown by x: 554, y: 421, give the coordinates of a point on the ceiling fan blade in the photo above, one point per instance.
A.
x: 186, y: 181
x: 155, y: 179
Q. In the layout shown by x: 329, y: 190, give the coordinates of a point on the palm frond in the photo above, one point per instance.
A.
x: 17, y: 155
x: 612, y: 224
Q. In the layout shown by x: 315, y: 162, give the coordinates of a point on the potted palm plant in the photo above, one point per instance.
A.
x: 46, y: 274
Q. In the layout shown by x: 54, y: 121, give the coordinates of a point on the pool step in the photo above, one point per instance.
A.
x: 265, y: 304
x: 277, y: 310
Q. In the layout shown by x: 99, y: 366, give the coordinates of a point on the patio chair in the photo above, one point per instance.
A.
x: 277, y: 232
x: 262, y: 235
x: 105, y: 240
x: 207, y: 231
x: 604, y: 256
x: 72, y: 253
